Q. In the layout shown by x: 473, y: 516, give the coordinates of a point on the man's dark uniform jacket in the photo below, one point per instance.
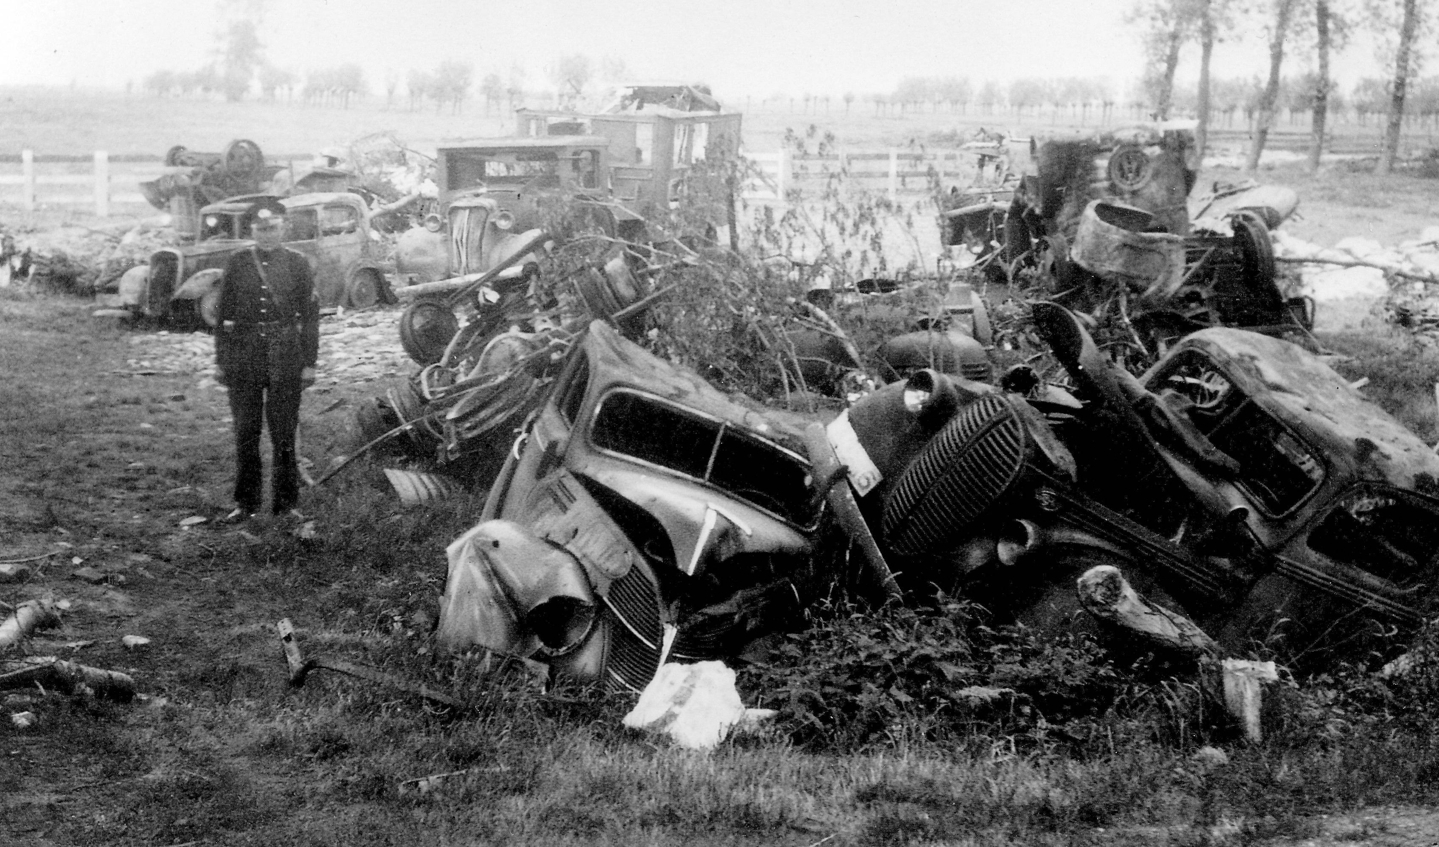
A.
x: 269, y: 330
x: 268, y: 333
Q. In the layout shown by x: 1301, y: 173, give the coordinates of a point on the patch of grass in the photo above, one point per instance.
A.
x: 1401, y: 371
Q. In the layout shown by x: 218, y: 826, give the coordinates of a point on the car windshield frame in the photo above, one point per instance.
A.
x: 728, y: 445
x: 1228, y: 416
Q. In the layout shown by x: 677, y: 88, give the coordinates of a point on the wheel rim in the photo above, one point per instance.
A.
x: 364, y: 290
x: 426, y: 327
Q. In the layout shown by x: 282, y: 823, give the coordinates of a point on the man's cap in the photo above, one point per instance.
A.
x: 265, y: 210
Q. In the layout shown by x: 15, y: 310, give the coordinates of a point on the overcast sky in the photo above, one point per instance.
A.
x: 739, y: 47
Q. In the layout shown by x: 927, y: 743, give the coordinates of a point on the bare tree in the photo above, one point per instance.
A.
x: 451, y: 83
x: 273, y: 78
x: 1165, y: 26
x: 417, y: 87
x: 1406, y: 61
x: 240, y: 55
x: 1283, y: 11
x: 491, y: 87
x: 1214, y: 20
x: 571, y: 74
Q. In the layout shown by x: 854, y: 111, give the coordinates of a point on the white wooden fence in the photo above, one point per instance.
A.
x: 109, y: 185
x: 896, y: 172
x: 96, y: 181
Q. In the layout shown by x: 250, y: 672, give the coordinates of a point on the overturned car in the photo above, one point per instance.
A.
x: 640, y: 516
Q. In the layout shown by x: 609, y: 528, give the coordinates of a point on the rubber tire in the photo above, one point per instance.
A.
x: 366, y: 289
x: 426, y: 327
x: 1256, y: 249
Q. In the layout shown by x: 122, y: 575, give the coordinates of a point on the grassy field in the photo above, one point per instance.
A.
x: 106, y: 449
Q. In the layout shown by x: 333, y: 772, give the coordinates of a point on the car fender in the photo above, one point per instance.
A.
x: 199, y: 284
x: 513, y: 592
x: 134, y: 287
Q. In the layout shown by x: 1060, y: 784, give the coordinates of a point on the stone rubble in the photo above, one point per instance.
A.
x: 356, y: 348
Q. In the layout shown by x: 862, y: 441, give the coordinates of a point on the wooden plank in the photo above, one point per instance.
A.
x: 102, y: 184
x: 27, y: 175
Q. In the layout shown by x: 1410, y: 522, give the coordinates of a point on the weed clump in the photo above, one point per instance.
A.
x: 859, y: 678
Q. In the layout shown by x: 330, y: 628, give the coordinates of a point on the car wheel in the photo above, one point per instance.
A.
x: 426, y: 327
x: 365, y: 289
x: 1256, y: 249
x: 243, y: 158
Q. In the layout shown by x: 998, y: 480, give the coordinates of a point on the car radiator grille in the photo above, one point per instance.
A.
x: 965, y: 468
x: 636, y: 634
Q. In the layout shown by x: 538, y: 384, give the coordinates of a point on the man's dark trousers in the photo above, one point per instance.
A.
x: 275, y: 404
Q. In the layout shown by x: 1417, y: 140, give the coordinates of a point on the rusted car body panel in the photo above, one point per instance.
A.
x: 670, y: 499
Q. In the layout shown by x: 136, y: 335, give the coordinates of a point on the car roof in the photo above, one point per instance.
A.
x: 617, y: 362
x: 1300, y: 387
x: 539, y: 142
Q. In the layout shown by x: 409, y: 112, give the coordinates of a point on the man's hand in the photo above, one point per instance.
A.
x: 307, y: 376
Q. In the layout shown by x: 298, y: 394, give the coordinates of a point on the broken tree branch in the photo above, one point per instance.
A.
x: 28, y: 617
x: 37, y: 557
x: 1107, y: 595
x: 1357, y: 263
x: 300, y: 668
x: 67, y: 677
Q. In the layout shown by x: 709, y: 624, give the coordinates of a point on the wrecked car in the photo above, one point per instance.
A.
x: 640, y: 516
x: 1106, y: 219
x: 1240, y: 481
x: 498, y: 187
x: 195, y: 179
x: 332, y: 230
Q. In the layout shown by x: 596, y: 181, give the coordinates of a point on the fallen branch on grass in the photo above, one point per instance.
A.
x: 67, y: 677
x: 28, y: 617
x: 1356, y: 263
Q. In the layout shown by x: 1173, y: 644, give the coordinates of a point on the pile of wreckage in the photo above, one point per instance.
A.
x: 1235, y: 491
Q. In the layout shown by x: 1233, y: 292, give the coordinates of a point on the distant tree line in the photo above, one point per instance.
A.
x: 1312, y: 29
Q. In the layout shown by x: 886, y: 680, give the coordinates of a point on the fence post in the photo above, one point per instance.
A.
x: 893, y: 175
x: 102, y: 184
x: 27, y: 177
x: 783, y: 178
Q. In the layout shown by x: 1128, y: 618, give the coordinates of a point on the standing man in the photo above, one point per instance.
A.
x: 267, y: 340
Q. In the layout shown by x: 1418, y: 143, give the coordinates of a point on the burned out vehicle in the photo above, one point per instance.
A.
x: 1240, y: 482
x: 624, y: 172
x: 195, y: 179
x: 1105, y: 224
x: 641, y: 516
x: 180, y: 284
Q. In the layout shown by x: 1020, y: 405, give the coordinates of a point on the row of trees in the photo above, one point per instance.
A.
x: 239, y: 67
x: 1313, y: 28
x: 1030, y: 95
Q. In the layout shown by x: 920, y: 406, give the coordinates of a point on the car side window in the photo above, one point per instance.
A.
x: 304, y: 225
x: 338, y: 220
